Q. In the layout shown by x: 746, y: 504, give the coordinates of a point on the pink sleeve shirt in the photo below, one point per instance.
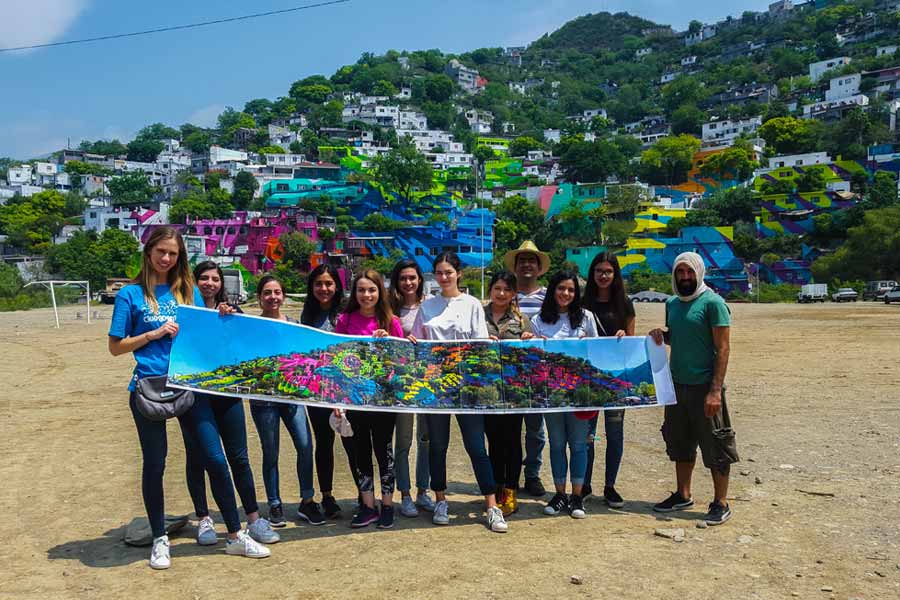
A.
x: 356, y: 324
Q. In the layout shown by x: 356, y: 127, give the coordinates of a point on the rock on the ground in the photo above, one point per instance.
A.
x: 675, y: 534
x: 576, y: 579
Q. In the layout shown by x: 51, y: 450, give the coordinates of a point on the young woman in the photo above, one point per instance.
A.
x: 504, y: 432
x: 406, y: 294
x: 368, y: 312
x: 266, y: 416
x: 605, y: 297
x: 143, y: 323
x: 452, y: 315
x: 228, y: 414
x: 324, y: 302
x: 561, y: 316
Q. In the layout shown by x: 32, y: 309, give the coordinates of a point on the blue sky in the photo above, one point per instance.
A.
x: 111, y: 89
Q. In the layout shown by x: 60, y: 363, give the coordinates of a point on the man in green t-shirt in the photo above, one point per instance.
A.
x: 697, y: 329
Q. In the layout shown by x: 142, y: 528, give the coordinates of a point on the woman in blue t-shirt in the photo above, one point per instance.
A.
x: 143, y: 323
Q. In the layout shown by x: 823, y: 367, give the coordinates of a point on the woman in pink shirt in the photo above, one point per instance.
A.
x: 368, y: 312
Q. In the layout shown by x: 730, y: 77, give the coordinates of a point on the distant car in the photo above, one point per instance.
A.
x: 893, y: 295
x: 844, y: 295
x: 875, y: 290
x: 649, y: 296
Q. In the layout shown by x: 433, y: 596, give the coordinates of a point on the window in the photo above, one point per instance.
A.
x: 281, y: 187
x: 435, y: 251
x: 207, y: 230
x: 419, y: 252
x: 220, y: 230
x: 244, y: 229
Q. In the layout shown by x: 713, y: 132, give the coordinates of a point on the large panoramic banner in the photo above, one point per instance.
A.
x: 265, y: 359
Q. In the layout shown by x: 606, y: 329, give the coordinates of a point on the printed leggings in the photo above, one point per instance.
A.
x: 373, y: 431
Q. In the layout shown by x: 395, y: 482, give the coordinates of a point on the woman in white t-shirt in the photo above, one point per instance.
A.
x: 453, y: 315
x: 562, y: 316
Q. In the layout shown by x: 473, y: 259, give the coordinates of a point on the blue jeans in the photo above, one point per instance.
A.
x: 266, y: 416
x: 199, y: 425
x: 564, y: 428
x: 472, y: 429
x: 229, y: 418
x: 403, y: 442
x: 614, y: 424
x: 535, y: 440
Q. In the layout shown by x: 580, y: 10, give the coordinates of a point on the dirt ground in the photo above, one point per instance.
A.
x: 815, y: 398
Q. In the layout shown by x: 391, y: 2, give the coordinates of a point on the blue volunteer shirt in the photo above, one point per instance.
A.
x: 132, y: 316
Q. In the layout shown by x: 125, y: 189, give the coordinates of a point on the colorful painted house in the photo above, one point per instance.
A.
x: 288, y: 193
x: 796, y: 272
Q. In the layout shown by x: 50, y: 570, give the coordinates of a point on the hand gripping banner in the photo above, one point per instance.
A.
x: 264, y: 359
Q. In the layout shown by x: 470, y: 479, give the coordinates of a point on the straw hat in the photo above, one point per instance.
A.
x: 527, y: 247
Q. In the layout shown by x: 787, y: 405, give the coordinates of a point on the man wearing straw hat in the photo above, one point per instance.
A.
x: 529, y: 263
x: 697, y: 328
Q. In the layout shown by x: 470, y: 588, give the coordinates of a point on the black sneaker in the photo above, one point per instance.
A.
x: 612, y: 497
x: 717, y: 514
x: 576, y: 507
x: 309, y: 512
x: 674, y: 502
x: 386, y: 520
x: 534, y: 487
x: 276, y: 516
x: 557, y: 504
x: 366, y: 516
x: 586, y: 490
x: 330, y: 507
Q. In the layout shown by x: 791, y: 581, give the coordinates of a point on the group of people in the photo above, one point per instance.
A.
x: 215, y: 436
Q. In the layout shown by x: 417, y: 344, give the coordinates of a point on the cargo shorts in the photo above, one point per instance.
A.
x: 685, y: 426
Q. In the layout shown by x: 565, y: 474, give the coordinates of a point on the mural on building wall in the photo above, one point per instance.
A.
x: 275, y: 360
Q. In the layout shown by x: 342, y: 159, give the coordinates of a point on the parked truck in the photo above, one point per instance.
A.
x: 234, y: 286
x: 113, y: 285
x: 813, y: 292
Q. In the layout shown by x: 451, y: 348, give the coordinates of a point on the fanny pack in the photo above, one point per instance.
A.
x: 157, y: 402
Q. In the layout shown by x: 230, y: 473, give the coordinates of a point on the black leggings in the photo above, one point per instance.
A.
x: 324, y: 435
x: 504, y: 434
x: 373, y: 431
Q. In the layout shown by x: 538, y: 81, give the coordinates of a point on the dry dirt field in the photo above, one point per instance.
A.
x: 815, y: 398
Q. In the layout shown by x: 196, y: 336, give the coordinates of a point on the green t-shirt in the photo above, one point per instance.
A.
x: 690, y: 336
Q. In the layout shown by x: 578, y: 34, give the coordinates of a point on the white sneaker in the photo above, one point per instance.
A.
x: 245, y: 546
x: 496, y: 521
x: 441, y: 513
x: 159, y: 555
x: 408, y: 507
x: 261, y: 531
x: 206, y: 532
x: 424, y: 501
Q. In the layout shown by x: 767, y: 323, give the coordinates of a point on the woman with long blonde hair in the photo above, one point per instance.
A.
x: 143, y: 323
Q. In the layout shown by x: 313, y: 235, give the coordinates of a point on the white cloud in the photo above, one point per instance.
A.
x: 31, y: 22
x: 208, y: 116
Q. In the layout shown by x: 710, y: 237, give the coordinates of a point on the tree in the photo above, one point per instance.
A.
x: 522, y: 145
x: 309, y: 94
x: 403, y: 169
x: 812, y: 180
x: 144, y: 150
x: 157, y: 132
x: 326, y: 115
x: 297, y: 249
x: 270, y: 150
x: 517, y: 220
x: 732, y: 205
x: 10, y: 280
x: 872, y: 250
x: 883, y: 192
x: 592, y: 161
x: 688, y: 119
x: 216, y: 204
x: 379, y: 222
x: 851, y: 136
x: 438, y: 88
x: 245, y: 186
x: 30, y: 223
x: 104, y: 147
x: 789, y: 135
x: 482, y: 154
x: 735, y: 162
x: 231, y: 120
x: 197, y: 141
x: 681, y: 92
x: 75, y: 204
x: 131, y: 189
x: 95, y: 258
x: 669, y: 160
x: 384, y: 88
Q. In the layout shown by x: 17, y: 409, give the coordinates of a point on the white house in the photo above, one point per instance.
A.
x: 817, y: 69
x: 885, y: 50
x: 723, y: 132
x: 799, y: 160
x: 405, y: 93
x: 410, y: 119
x: 688, y: 61
x: 669, y: 77
x: 843, y: 87
x: 445, y: 160
x: 20, y: 175
x: 594, y: 112
x: 462, y: 75
x: 284, y: 160
x: 426, y: 140
x: 517, y: 86
x: 552, y: 135
x: 480, y: 121
x: 218, y: 154
x: 642, y: 52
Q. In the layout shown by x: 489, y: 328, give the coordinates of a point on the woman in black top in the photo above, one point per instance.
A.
x: 605, y: 297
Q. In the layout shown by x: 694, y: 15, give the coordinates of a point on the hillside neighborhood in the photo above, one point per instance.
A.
x: 767, y: 142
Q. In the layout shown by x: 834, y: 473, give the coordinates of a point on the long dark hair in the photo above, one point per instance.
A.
x: 383, y: 312
x: 452, y: 259
x: 395, y: 295
x: 209, y: 265
x: 550, y: 307
x: 510, y: 280
x: 617, y: 291
x: 312, y: 308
